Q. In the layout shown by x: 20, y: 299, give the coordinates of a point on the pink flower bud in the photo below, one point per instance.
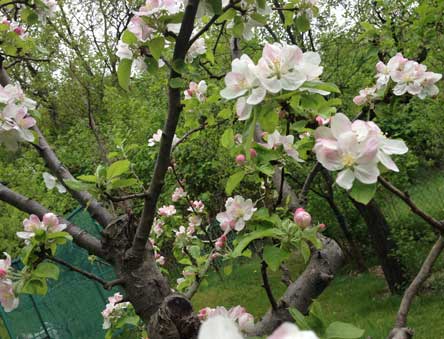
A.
x: 215, y: 256
x: 220, y: 242
x: 253, y: 153
x: 240, y: 159
x: 3, y: 273
x: 302, y: 218
x: 322, y: 227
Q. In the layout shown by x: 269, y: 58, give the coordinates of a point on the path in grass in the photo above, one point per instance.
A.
x: 362, y: 300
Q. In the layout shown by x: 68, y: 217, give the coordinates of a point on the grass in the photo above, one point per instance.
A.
x: 362, y: 300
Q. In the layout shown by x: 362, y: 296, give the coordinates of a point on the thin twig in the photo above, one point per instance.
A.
x: 104, y: 283
x: 439, y: 225
x: 266, y: 285
x: 127, y: 197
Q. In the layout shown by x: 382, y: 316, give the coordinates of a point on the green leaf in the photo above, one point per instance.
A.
x: 77, y: 185
x: 129, y: 37
x: 342, y: 330
x: 225, y: 113
x: 46, y: 270
x: 274, y: 256
x: 156, y: 46
x: 323, y: 86
x: 362, y: 193
x: 88, y: 178
x: 246, y: 240
x: 35, y: 286
x: 124, y: 73
x: 56, y: 235
x: 238, y: 29
x: 233, y: 181
x: 302, y: 23
x: 228, y: 15
x: 305, y: 251
x: 177, y: 83
x: 227, y: 138
x: 228, y: 269
x: 299, y: 319
x: 29, y: 16
x: 117, y: 168
x: 194, y: 251
x: 216, y: 5
x: 121, y: 183
x: 259, y: 18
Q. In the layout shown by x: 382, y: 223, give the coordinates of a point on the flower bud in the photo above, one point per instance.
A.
x: 253, y: 153
x: 302, y: 218
x: 3, y: 273
x: 322, y: 227
x: 220, y: 242
x: 240, y: 159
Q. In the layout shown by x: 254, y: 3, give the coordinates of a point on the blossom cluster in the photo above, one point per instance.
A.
x: 157, y: 136
x: 409, y: 76
x: 197, y: 90
x: 145, y: 25
x: 281, y: 67
x: 223, y: 327
x: 50, y: 223
x: 113, y: 310
x: 355, y: 149
x: 8, y: 299
x: 15, y: 121
x: 237, y: 314
x: 15, y: 27
x: 275, y: 139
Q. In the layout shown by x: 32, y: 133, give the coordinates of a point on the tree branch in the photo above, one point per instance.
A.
x: 400, y: 331
x: 80, y: 236
x: 415, y: 209
x: 266, y: 285
x: 163, y: 159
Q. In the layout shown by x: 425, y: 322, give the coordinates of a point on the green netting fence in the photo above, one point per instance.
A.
x: 71, y: 309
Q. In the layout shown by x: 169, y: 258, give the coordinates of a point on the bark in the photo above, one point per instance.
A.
x: 384, y: 246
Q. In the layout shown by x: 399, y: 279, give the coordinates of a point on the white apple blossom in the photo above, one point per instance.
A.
x: 140, y: 29
x: 365, y: 96
x: 113, y: 310
x: 155, y: 138
x: 238, y: 211
x: 178, y: 194
x: 275, y: 139
x: 123, y: 51
x: 196, y: 49
x: 52, y: 182
x: 196, y: 206
x: 278, y: 68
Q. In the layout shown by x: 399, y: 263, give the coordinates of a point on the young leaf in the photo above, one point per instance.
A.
x: 124, y: 73
x: 156, y: 46
x: 340, y: 330
x: 129, y: 37
x: 274, y: 256
x: 245, y: 241
x: 117, y: 168
x: 299, y: 319
x: 362, y: 193
x: 88, y: 178
x: 227, y: 138
x: 46, y: 270
x: 234, y: 181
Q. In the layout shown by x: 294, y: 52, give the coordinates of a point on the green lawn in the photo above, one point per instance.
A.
x: 362, y: 300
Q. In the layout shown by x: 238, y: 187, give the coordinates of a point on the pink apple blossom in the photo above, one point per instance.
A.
x: 322, y: 121
x: 302, y: 218
x: 238, y: 211
x: 114, y: 310
x: 8, y: 299
x: 178, y: 194
x: 167, y: 211
x: 50, y: 224
x: 159, y: 259
x: 196, y: 90
x: 140, y: 29
x: 5, y: 265
x: 158, y: 226
x: 409, y: 78
x: 194, y: 220
x: 365, y: 96
x: 197, y: 206
x: 253, y: 153
x: 355, y: 149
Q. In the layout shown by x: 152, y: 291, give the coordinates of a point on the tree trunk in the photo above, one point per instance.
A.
x: 383, y: 245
